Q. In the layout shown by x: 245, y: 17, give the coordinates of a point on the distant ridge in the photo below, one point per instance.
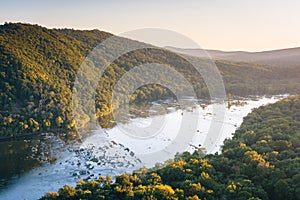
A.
x: 281, y: 57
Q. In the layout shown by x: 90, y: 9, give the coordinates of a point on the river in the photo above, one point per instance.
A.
x: 112, y: 151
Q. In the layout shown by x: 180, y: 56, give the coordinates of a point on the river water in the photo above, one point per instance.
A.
x: 111, y: 151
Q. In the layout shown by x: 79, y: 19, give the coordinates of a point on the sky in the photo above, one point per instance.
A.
x: 248, y: 25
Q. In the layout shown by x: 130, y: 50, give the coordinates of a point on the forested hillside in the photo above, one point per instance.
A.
x: 38, y: 67
x: 261, y: 161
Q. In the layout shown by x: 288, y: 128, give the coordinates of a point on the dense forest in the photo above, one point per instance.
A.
x: 261, y: 161
x: 38, y: 67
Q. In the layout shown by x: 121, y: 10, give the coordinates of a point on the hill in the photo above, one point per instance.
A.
x: 38, y: 67
x: 281, y: 57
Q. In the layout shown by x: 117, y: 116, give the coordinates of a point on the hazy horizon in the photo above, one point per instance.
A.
x: 228, y: 26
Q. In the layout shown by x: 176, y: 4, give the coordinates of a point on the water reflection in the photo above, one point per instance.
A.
x: 22, y: 155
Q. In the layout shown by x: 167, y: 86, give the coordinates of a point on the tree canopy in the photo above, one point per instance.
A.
x: 261, y: 161
x: 38, y: 67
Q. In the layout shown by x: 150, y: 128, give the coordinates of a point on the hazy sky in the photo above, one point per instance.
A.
x: 252, y: 25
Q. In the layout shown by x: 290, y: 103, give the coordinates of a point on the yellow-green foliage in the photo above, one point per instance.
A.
x: 250, y: 167
x: 38, y: 67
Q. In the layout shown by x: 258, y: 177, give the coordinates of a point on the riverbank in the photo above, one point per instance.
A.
x: 110, y: 151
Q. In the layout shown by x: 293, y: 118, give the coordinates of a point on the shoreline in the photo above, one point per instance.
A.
x: 57, y: 130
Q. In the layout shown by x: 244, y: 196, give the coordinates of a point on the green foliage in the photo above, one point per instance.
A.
x: 252, y: 166
x: 38, y: 67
